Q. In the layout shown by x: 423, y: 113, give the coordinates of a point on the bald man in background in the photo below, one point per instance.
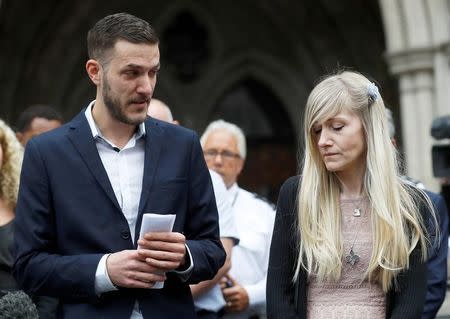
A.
x: 159, y: 110
x: 208, y: 299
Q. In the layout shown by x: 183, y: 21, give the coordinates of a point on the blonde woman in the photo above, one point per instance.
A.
x: 349, y: 239
x: 10, y: 163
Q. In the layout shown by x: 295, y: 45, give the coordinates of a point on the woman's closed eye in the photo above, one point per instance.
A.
x: 317, y: 129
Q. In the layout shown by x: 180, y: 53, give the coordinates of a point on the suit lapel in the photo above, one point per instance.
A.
x: 80, y: 135
x: 153, y: 147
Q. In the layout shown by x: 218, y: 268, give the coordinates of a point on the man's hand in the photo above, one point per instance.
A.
x: 236, y: 296
x: 164, y: 251
x: 127, y: 268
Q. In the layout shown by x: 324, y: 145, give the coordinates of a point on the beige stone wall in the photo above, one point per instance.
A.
x: 418, y: 42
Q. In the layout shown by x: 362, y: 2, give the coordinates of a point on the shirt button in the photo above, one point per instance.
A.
x: 125, y: 234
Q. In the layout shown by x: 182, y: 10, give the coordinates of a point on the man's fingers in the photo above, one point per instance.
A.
x: 148, y: 278
x: 162, y: 260
x: 129, y: 269
x: 142, y: 266
x: 162, y: 246
x: 161, y: 255
x: 171, y: 237
x: 136, y: 279
x: 163, y: 264
x: 228, y: 292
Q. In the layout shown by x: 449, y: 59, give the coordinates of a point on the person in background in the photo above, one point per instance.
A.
x: 437, y: 259
x: 350, y: 237
x: 161, y: 111
x: 208, y: 298
x: 11, y: 153
x: 13, y: 302
x: 244, y: 287
x: 36, y: 120
x: 85, y: 187
x: 17, y: 305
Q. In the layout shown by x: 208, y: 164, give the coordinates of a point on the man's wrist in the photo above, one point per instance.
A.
x: 107, y: 272
x: 185, y: 271
x: 103, y: 282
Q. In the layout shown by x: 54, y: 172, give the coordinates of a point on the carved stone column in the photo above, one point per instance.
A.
x: 414, y: 70
x: 417, y: 39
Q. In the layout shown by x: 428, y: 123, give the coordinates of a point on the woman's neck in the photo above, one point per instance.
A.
x: 351, y: 185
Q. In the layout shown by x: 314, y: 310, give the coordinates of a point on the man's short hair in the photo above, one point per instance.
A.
x: 34, y: 111
x: 232, y: 129
x: 107, y: 31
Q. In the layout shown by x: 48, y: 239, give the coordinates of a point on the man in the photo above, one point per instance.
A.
x: 85, y: 186
x: 244, y: 287
x: 208, y: 298
x: 161, y: 111
x: 437, y: 256
x: 35, y: 120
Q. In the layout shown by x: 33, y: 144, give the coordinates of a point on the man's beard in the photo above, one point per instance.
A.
x: 114, y: 107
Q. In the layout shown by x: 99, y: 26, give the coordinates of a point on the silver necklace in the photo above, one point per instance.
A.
x: 357, y: 209
x: 352, y: 258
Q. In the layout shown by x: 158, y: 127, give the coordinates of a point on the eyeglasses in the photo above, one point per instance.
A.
x: 227, y: 155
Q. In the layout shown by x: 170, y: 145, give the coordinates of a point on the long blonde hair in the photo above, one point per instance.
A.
x: 10, y: 166
x: 396, y: 220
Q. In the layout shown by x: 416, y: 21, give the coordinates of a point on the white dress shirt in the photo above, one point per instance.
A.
x: 213, y: 300
x: 254, y: 219
x: 125, y: 169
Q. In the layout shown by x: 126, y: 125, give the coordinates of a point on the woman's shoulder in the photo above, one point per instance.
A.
x: 291, y: 183
x: 289, y: 191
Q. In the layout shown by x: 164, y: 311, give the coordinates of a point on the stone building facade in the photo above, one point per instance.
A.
x: 251, y: 62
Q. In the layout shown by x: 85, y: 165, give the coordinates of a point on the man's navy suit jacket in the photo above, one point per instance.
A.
x: 67, y: 217
x: 437, y: 260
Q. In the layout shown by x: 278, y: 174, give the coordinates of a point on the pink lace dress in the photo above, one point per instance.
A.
x: 352, y: 296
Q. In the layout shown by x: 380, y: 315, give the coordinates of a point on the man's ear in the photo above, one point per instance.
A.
x: 93, y: 70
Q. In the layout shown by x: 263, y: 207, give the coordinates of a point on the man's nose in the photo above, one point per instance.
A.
x: 218, y: 159
x: 146, y: 86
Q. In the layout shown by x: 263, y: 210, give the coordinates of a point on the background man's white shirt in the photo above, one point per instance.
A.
x: 254, y: 220
x: 213, y: 299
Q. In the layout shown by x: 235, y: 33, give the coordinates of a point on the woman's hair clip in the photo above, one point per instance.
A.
x: 372, y: 92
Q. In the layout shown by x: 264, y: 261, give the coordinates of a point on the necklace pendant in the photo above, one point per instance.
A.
x: 357, y: 212
x: 352, y: 258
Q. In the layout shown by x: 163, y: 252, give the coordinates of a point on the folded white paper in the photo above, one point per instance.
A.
x: 156, y: 223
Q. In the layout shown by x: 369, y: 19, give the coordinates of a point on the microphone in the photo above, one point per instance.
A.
x: 17, y: 305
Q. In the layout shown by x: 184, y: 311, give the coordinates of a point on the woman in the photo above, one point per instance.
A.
x: 10, y: 163
x: 349, y: 238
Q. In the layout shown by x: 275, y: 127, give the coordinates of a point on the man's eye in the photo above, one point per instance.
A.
x: 131, y: 73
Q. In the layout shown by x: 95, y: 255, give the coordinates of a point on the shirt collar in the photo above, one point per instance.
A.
x: 140, y: 132
x: 233, y: 189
